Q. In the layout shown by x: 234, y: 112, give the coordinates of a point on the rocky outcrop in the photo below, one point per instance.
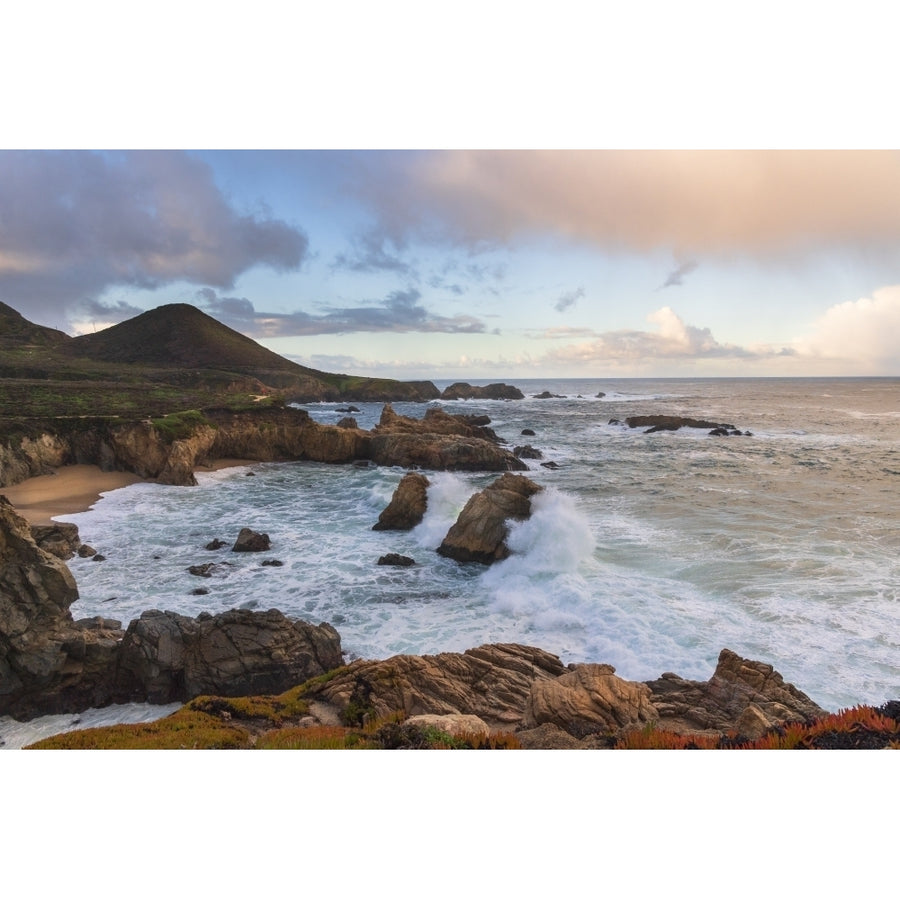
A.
x: 48, y: 663
x: 589, y: 699
x: 439, y: 441
x: 492, y: 682
x: 167, y: 657
x: 250, y: 541
x: 479, y: 533
x: 407, y: 506
x: 61, y: 539
x: 464, y: 391
x: 742, y: 695
x: 653, y: 424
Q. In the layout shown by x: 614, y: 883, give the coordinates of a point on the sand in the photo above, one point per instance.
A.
x: 72, y: 489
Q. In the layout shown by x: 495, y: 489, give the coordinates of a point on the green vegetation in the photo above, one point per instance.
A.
x: 178, y: 426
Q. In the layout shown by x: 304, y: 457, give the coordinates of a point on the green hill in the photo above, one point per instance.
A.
x: 171, y: 358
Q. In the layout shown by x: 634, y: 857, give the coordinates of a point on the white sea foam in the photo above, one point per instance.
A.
x: 647, y: 552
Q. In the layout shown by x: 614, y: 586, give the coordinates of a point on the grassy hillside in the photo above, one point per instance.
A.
x: 171, y: 358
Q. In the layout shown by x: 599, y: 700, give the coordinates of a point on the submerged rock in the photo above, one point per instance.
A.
x: 479, y: 534
x: 653, y: 424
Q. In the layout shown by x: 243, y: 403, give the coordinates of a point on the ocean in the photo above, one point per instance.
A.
x: 650, y: 552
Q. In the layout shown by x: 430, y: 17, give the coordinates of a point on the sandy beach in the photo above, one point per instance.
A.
x: 76, y: 488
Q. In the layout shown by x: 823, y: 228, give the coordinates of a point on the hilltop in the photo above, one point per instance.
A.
x: 168, y: 359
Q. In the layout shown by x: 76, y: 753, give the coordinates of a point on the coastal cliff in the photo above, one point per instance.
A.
x: 169, y: 449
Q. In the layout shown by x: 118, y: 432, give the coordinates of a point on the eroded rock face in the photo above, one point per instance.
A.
x: 479, y: 534
x: 407, y: 506
x: 491, y: 682
x: 250, y: 541
x: 48, y: 663
x: 743, y: 695
x: 167, y: 657
x: 61, y: 539
x: 589, y: 699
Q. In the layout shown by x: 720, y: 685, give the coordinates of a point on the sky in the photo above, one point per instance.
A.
x: 476, y: 263
x: 438, y: 243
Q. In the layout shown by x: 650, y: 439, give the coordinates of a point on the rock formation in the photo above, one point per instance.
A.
x: 407, y: 506
x: 50, y: 663
x: 479, y: 533
x: 438, y: 441
x: 250, y: 541
x: 653, y: 424
x: 492, y: 682
x: 166, y: 656
x: 464, y: 391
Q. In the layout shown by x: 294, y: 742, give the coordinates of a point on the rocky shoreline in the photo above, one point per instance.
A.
x: 50, y: 663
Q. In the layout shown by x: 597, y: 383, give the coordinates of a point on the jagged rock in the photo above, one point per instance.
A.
x: 272, y: 562
x: 464, y: 391
x: 86, y: 550
x: 528, y: 452
x: 203, y: 571
x: 491, y: 682
x: 407, y: 506
x: 249, y: 541
x: 47, y: 663
x: 546, y: 395
x: 589, y: 699
x: 215, y: 544
x: 61, y: 539
x: 741, y: 694
x: 348, y: 422
x: 396, y: 559
x: 479, y: 533
x: 166, y: 657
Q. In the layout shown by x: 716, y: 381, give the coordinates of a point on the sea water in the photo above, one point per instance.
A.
x: 650, y: 552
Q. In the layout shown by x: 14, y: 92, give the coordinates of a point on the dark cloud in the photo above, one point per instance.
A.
x: 570, y: 298
x: 400, y: 311
x: 73, y: 224
x: 97, y: 310
x: 676, y: 278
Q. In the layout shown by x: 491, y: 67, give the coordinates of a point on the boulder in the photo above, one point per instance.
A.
x: 528, y: 452
x: 492, y: 682
x: 479, y: 533
x: 396, y: 559
x: 458, y: 726
x: 407, y: 506
x: 167, y: 657
x: 249, y: 541
x: 528, y: 432
x: 61, y: 539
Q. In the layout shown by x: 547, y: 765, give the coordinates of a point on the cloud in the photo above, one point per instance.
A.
x: 400, y: 311
x: 674, y: 340
x: 863, y: 332
x: 570, y: 298
x: 705, y: 202
x: 78, y: 223
x: 676, y: 278
x: 369, y: 255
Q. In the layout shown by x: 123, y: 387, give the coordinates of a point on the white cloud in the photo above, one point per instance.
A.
x: 863, y: 335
